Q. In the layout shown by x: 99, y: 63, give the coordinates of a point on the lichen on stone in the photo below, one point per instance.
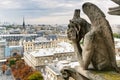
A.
x: 108, y: 75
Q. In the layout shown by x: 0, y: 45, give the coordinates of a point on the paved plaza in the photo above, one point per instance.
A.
x: 5, y: 77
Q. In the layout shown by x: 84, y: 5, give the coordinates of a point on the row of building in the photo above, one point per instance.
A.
x: 40, y: 48
x: 9, y: 44
x: 51, y: 60
x: 43, y: 51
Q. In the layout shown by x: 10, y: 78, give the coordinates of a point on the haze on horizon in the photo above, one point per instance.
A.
x: 49, y: 11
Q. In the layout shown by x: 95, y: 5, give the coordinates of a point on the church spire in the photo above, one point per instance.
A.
x: 24, y: 24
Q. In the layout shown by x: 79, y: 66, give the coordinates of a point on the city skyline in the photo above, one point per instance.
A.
x: 49, y: 11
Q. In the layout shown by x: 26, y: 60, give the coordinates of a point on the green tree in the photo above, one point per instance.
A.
x: 36, y: 76
x: 12, y: 62
x: 116, y: 35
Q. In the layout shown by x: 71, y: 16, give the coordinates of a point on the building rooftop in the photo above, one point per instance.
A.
x: 117, y: 58
x: 2, y: 40
x: 62, y: 47
x: 57, y: 67
x: 54, y: 69
x: 19, y: 46
x: 117, y: 45
x: 116, y: 39
x: 51, y: 37
x: 7, y: 35
x: 66, y: 63
x: 41, y: 39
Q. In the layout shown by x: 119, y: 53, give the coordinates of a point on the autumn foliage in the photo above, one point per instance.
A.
x: 21, y: 70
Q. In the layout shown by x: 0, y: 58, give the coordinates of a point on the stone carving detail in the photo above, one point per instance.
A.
x: 98, y: 46
x: 101, y: 50
x: 77, y: 28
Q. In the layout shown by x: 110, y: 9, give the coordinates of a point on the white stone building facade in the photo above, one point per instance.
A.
x: 42, y: 57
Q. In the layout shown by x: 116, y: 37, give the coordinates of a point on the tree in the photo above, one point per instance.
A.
x: 116, y: 35
x: 12, y: 62
x: 36, y: 76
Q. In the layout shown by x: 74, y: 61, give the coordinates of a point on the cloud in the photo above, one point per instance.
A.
x: 50, y: 20
x: 9, y: 4
x: 56, y: 3
x: 62, y: 13
x: 48, y: 11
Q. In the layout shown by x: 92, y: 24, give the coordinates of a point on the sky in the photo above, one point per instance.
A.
x: 49, y: 11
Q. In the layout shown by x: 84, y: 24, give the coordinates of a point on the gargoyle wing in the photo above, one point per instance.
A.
x: 116, y: 1
x: 115, y: 10
x: 100, y: 23
x: 97, y: 18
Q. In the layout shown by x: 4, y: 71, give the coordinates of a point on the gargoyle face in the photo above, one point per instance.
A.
x: 71, y: 31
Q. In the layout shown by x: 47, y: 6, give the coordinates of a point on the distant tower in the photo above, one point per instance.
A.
x: 24, y: 27
x: 24, y: 24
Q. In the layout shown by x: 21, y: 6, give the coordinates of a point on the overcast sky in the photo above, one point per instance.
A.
x: 48, y: 11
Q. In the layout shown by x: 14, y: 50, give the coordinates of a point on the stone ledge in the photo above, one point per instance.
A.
x: 80, y: 74
x: 107, y: 75
x: 99, y: 75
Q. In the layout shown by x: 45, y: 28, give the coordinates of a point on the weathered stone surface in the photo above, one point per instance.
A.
x: 101, y: 50
x: 98, y: 46
x: 69, y: 72
x: 108, y: 75
x: 77, y: 28
x: 78, y: 73
x: 115, y: 10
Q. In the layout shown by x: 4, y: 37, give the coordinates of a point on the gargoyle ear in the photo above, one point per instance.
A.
x: 71, y: 21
